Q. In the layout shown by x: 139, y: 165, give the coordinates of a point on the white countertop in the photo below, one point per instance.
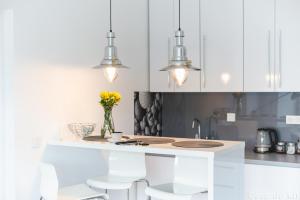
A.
x: 161, y: 149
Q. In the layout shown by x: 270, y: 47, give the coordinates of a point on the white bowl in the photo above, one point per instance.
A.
x: 82, y: 129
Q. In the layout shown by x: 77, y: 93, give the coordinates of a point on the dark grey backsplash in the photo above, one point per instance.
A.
x: 171, y: 114
x: 253, y: 110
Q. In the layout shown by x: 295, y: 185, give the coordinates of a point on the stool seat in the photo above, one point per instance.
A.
x: 79, y: 192
x: 50, y: 190
x: 176, y: 191
x: 112, y: 182
x: 190, y: 181
x: 124, y: 170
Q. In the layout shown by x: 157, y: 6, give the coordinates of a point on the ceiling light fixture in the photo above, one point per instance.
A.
x: 111, y: 63
x: 179, y: 65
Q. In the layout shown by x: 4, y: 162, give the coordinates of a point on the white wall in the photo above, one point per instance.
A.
x: 56, y: 42
x: 7, y: 169
x: 1, y: 110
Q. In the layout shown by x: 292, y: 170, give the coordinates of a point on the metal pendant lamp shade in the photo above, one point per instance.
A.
x: 110, y: 63
x: 179, y: 65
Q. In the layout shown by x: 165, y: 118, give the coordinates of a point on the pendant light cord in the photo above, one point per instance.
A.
x: 110, y: 23
x: 179, y: 15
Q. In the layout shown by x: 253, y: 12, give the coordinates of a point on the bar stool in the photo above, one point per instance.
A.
x: 124, y: 169
x: 189, y: 181
x: 49, y: 187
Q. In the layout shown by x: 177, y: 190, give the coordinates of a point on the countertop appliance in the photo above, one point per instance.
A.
x: 266, y: 140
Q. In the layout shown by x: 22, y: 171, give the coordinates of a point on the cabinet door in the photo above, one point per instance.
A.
x: 287, y: 68
x: 270, y: 182
x: 259, y: 32
x: 222, y: 45
x: 190, y: 24
x: 161, y: 34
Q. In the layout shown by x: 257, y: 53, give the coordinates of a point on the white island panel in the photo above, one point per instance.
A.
x: 224, y: 166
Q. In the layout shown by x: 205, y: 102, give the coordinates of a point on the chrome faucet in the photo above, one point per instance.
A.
x: 197, y: 135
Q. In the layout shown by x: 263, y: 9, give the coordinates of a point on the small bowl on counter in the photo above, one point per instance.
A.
x: 82, y: 129
x: 289, y: 148
x: 280, y: 147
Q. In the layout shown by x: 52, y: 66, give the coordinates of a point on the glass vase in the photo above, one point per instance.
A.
x: 108, y: 125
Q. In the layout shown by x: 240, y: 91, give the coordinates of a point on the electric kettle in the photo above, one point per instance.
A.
x: 266, y: 140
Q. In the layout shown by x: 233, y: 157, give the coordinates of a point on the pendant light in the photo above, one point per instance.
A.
x: 179, y: 65
x: 111, y: 63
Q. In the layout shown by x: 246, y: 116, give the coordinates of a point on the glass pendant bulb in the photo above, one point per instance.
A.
x: 179, y: 75
x: 110, y: 73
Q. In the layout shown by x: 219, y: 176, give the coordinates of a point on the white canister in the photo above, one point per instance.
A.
x: 298, y: 147
x: 290, y: 148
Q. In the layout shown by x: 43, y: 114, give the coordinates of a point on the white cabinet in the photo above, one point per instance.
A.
x: 163, y: 24
x: 241, y: 45
x: 287, y: 67
x: 272, y: 46
x: 214, y: 40
x: 161, y: 30
x: 259, y: 63
x: 222, y: 45
x: 270, y: 182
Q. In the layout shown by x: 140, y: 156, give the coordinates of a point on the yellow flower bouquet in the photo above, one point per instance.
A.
x: 108, y: 101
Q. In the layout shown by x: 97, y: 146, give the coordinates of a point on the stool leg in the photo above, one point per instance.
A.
x: 136, y: 190
x: 128, y: 195
x: 147, y: 183
x: 106, y: 191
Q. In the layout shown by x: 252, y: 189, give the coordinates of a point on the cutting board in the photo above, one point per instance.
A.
x: 98, y: 138
x: 197, y: 144
x: 154, y: 140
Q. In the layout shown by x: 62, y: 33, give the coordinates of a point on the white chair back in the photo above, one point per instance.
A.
x: 127, y: 164
x: 49, y: 182
x: 191, y: 171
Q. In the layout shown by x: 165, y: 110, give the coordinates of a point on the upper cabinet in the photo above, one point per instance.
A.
x: 259, y: 64
x: 213, y: 38
x: 287, y: 49
x: 161, y: 29
x: 240, y: 45
x: 272, y: 45
x: 222, y: 45
x: 163, y: 24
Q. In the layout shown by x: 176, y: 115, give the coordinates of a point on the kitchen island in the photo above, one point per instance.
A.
x: 223, y: 166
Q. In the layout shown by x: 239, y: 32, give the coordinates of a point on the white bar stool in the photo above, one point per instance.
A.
x: 49, y: 187
x: 124, y: 169
x: 189, y: 182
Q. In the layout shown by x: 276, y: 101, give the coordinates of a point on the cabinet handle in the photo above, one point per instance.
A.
x: 169, y: 58
x: 203, y: 60
x: 269, y: 58
x: 280, y: 59
x: 169, y: 82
